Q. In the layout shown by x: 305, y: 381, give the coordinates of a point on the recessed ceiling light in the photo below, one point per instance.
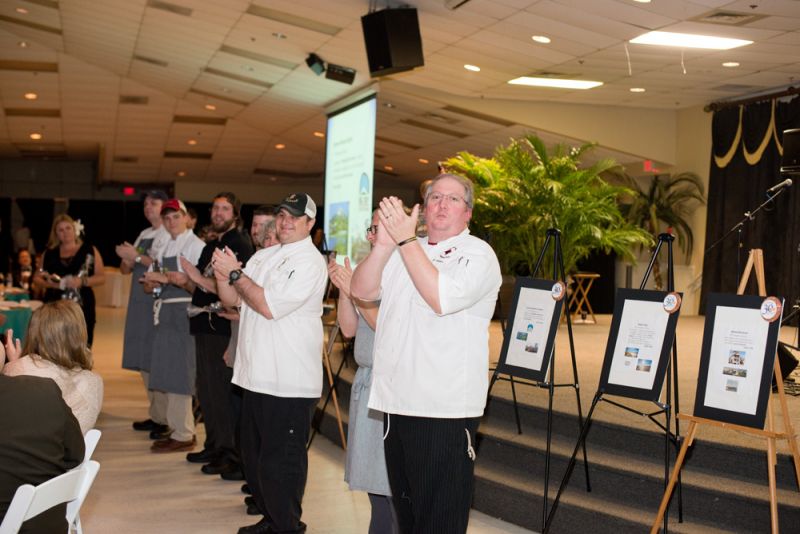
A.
x: 637, y: 89
x: 543, y: 39
x: 688, y: 40
x: 191, y: 142
x: 558, y: 83
x: 388, y: 105
x: 21, y: 11
x: 22, y: 44
x: 211, y: 107
x: 388, y: 168
x: 730, y: 64
x: 31, y: 96
x: 36, y: 136
x: 280, y: 146
x: 319, y: 134
x: 180, y: 173
x: 473, y: 68
x: 642, y: 1
x: 423, y: 161
x: 279, y: 35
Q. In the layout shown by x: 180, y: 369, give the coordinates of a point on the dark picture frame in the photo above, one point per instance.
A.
x: 531, y: 294
x: 736, y: 370
x: 629, y: 389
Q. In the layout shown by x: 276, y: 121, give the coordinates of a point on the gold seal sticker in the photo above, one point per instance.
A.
x: 771, y: 309
x: 672, y: 302
x: 558, y: 291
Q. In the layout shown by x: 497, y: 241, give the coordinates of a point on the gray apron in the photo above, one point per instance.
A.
x: 173, y: 366
x: 365, y: 464
x: 138, y: 342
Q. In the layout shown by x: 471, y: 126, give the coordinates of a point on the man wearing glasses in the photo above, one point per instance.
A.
x: 430, y: 373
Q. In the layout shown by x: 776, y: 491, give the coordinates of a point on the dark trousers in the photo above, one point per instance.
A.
x: 213, y: 392
x: 430, y: 472
x: 274, y: 436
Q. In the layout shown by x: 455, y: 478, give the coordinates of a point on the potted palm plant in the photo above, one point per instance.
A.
x: 665, y: 204
x: 525, y: 189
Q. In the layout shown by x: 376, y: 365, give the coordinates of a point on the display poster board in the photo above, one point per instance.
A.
x: 531, y: 331
x: 639, y: 343
x: 740, y: 340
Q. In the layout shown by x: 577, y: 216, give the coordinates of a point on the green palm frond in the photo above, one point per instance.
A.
x: 669, y: 200
x: 524, y: 189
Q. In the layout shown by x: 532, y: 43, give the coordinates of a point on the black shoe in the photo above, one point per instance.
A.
x: 262, y: 527
x: 246, y: 489
x: 252, y: 507
x: 234, y: 475
x: 146, y: 425
x: 203, y: 457
x: 218, y: 467
x: 162, y: 432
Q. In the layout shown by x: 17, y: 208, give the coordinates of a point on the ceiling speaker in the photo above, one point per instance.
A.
x: 392, y: 40
x: 790, y: 162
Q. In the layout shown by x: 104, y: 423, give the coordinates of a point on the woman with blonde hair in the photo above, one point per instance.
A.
x: 70, y: 268
x: 56, y: 347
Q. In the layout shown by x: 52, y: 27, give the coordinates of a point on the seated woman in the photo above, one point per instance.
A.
x: 56, y: 348
x: 23, y: 270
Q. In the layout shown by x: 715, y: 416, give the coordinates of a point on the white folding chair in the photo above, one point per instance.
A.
x: 30, y: 501
x: 90, y: 439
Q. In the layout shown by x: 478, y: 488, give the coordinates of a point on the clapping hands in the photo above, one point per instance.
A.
x: 340, y: 275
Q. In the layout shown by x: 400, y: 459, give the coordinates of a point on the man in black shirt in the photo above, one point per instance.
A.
x: 212, y: 333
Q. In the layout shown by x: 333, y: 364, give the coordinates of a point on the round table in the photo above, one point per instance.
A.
x: 16, y: 316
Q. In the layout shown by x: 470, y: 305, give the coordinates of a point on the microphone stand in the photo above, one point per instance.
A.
x: 738, y: 227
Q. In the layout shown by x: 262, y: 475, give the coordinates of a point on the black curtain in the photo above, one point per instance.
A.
x: 741, y: 172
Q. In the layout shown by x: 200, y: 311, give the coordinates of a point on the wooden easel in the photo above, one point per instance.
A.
x: 327, y: 350
x: 755, y: 259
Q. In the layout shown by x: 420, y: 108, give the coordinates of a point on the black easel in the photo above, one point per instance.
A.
x: 664, y: 407
x: 558, y: 274
x: 507, y: 378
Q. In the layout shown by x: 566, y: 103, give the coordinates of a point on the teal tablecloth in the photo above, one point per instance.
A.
x: 16, y: 319
x: 17, y: 297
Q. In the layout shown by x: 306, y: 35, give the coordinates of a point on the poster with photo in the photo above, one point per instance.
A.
x: 737, y: 360
x: 531, y: 329
x: 639, y: 344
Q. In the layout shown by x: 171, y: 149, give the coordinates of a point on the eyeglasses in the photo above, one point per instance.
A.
x: 436, y: 198
x: 372, y: 229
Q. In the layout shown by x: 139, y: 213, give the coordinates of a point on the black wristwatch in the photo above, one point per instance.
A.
x: 234, y: 276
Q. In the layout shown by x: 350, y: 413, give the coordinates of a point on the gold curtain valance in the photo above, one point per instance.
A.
x: 752, y: 158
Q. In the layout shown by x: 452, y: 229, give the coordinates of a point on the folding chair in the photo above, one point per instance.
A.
x: 30, y: 501
x: 90, y: 439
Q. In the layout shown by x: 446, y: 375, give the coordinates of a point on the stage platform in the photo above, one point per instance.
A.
x: 724, y: 481
x: 590, y: 347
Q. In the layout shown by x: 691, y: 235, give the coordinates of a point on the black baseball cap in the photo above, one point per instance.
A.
x: 298, y: 204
